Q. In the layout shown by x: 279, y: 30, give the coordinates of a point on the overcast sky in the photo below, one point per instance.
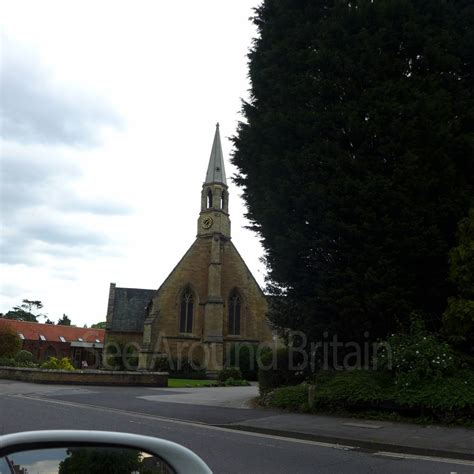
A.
x: 107, y: 118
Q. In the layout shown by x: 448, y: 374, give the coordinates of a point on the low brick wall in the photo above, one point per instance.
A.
x: 85, y: 377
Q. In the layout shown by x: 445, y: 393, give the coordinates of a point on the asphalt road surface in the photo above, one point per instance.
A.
x: 162, y: 413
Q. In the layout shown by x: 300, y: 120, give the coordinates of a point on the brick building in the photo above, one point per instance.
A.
x: 210, y: 299
x: 49, y: 340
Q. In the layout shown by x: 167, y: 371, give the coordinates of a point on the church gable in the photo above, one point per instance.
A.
x: 190, y: 274
x: 210, y: 299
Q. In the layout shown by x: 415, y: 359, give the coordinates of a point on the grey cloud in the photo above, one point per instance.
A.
x: 70, y: 236
x: 44, y: 180
x: 14, y: 248
x: 34, y: 109
x: 36, y: 184
x: 99, y: 206
x: 30, y: 177
x: 27, y: 241
x: 41, y: 123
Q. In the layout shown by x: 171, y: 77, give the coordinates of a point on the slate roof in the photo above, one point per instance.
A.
x: 51, y: 332
x: 130, y: 305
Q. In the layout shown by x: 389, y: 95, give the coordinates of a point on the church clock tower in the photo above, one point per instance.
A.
x: 214, y: 225
x: 214, y: 216
x: 210, y: 300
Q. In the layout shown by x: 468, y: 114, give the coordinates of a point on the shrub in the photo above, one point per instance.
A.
x: 244, y: 357
x: 443, y: 398
x: 442, y: 395
x: 10, y: 342
x: 417, y: 356
x: 7, y: 362
x: 57, y: 364
x: 347, y: 389
x: 458, y: 320
x: 236, y: 383
x: 288, y: 398
x: 277, y: 369
x: 24, y: 357
x: 183, y: 368
x: 121, y: 355
x: 161, y: 364
x: 229, y: 373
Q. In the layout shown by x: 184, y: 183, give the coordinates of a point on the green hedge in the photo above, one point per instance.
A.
x: 446, y: 398
x: 10, y: 362
x: 276, y: 370
x: 448, y: 394
x: 353, y: 387
x: 7, y: 362
x: 293, y: 398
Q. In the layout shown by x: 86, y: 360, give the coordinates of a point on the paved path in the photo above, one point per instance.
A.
x: 383, y: 435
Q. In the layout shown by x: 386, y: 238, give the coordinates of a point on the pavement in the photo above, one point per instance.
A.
x: 437, y: 441
x: 428, y: 440
x: 231, y: 408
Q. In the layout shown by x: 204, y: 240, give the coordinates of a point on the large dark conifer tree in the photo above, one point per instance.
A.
x: 355, y: 157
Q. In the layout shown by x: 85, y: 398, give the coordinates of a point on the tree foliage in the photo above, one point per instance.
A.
x: 101, y: 460
x: 24, y: 312
x: 355, y: 158
x: 459, y: 316
x: 20, y: 315
x: 100, y: 325
x: 64, y: 320
x: 29, y: 305
x: 10, y: 343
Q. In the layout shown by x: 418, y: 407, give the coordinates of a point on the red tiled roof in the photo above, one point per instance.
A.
x: 32, y: 331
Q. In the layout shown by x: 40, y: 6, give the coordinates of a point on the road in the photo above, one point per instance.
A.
x: 188, y: 420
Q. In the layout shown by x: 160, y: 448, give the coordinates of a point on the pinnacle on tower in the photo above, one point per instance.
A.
x: 215, y: 170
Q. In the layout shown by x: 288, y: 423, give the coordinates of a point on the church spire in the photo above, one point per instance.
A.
x: 214, y: 215
x: 215, y: 170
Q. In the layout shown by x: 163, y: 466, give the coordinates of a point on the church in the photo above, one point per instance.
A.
x: 209, y: 301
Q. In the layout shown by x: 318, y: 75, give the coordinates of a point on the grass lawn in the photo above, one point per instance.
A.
x: 186, y: 383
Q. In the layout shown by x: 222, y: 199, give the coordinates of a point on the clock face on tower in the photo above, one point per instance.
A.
x: 207, y: 222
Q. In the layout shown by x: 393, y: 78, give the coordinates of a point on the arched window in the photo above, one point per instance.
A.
x: 223, y: 200
x: 187, y: 309
x: 209, y: 199
x: 234, y: 313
